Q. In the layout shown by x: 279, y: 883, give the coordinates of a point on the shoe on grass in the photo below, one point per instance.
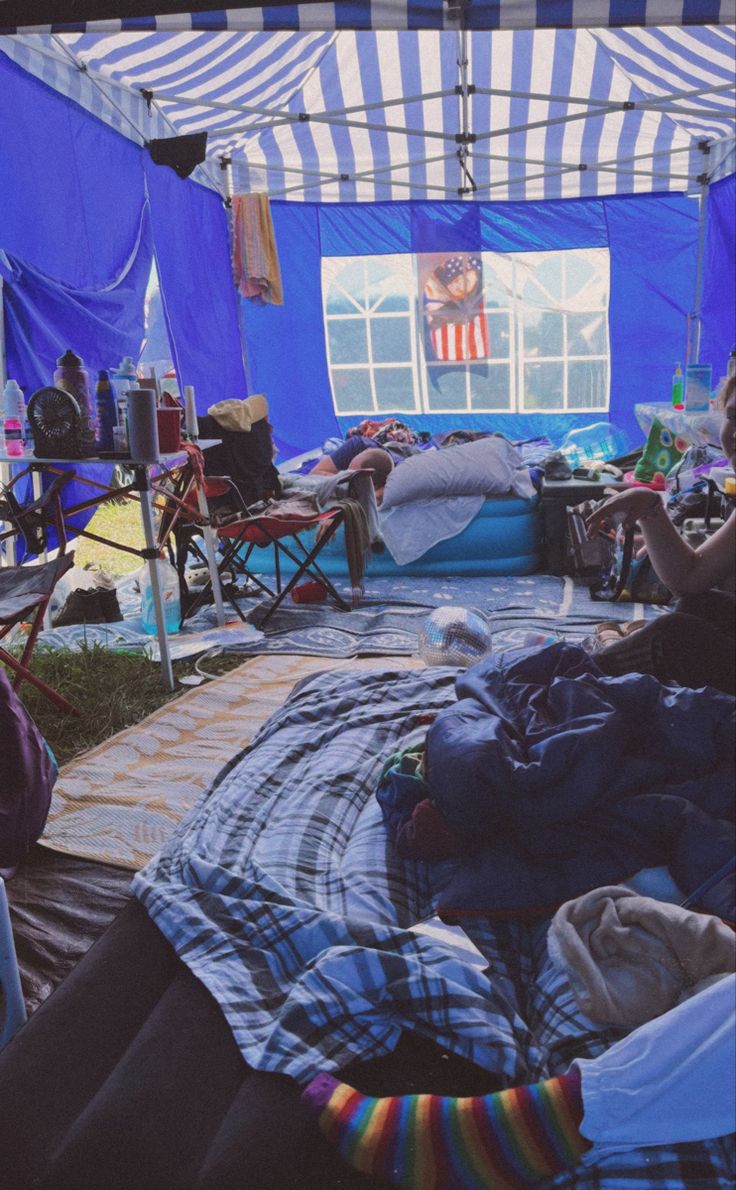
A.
x: 81, y: 607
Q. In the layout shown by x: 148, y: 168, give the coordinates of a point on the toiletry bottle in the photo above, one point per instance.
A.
x: 14, y: 406
x: 106, y: 411
x: 124, y: 378
x: 677, y: 388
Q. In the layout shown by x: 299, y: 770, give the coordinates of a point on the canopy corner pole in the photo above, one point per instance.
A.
x: 695, y: 326
x: 3, y: 355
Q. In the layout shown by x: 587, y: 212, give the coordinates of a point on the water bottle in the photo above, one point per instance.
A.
x: 169, y: 583
x: 596, y: 443
x: 677, y: 389
x: 106, y: 411
x: 731, y: 365
x: 72, y: 377
x: 15, y: 411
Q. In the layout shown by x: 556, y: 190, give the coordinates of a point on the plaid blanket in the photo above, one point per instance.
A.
x: 283, y: 895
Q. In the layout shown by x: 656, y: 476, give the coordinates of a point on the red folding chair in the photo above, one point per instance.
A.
x: 25, y: 591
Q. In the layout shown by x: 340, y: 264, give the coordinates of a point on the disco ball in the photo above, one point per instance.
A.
x: 454, y: 636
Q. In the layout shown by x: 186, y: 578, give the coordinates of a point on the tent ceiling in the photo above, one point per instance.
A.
x: 375, y: 114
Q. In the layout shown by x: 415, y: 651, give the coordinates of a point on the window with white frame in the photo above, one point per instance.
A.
x: 536, y: 341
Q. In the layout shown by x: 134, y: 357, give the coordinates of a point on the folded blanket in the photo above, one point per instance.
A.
x: 630, y: 958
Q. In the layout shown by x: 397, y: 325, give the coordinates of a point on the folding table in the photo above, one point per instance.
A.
x: 147, y: 479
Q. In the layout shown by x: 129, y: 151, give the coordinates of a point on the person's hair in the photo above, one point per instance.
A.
x: 727, y: 391
x: 379, y: 461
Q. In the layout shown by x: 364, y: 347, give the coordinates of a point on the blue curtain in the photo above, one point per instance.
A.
x: 75, y: 244
x: 192, y: 248
x: 652, y: 241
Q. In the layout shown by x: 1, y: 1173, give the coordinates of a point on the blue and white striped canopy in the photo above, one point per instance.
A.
x: 370, y: 114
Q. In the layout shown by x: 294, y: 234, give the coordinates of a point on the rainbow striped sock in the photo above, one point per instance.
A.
x: 432, y: 1142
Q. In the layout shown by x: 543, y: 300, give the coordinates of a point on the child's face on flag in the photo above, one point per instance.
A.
x: 464, y: 283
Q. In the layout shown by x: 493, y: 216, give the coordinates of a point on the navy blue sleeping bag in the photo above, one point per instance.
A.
x: 561, y: 779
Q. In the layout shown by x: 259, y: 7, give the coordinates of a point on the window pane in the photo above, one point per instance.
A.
x: 388, y: 292
x: 338, y: 302
x: 587, y: 276
x: 543, y: 386
x: 351, y: 388
x: 542, y: 333
x: 348, y: 341
x: 546, y: 281
x: 499, y: 335
x: 390, y: 340
x: 394, y: 390
x: 586, y: 334
x: 350, y: 278
x: 446, y: 388
x: 490, y: 387
x: 587, y: 384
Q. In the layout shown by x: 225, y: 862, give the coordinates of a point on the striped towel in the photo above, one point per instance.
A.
x: 255, y: 259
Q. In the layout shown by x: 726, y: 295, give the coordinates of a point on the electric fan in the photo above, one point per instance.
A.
x: 57, y: 425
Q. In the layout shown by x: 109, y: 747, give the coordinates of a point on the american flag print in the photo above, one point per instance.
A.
x: 453, y: 306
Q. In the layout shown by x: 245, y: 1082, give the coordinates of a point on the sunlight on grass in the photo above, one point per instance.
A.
x: 118, y: 522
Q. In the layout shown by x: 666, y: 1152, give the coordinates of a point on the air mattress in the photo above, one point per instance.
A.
x: 504, y: 538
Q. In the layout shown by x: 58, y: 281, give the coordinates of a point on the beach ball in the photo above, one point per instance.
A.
x: 454, y: 636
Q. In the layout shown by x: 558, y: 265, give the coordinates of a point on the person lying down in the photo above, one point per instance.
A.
x: 668, y: 1082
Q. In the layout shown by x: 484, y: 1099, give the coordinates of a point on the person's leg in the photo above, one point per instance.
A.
x: 676, y: 647
x: 670, y: 1081
x: 717, y: 608
x: 430, y: 1142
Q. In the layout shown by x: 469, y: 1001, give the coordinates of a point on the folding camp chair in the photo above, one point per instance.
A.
x: 241, y: 533
x: 25, y: 591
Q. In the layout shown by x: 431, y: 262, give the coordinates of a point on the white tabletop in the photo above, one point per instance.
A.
x: 170, y: 457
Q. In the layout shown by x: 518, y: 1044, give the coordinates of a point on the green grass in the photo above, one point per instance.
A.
x: 112, y: 690
x: 119, y: 522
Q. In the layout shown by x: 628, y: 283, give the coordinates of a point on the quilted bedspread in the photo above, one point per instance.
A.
x: 282, y: 893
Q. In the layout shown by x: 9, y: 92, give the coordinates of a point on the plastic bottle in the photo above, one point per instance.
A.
x: 597, y: 442
x: 14, y: 407
x: 731, y: 365
x: 677, y: 388
x: 72, y: 376
x: 124, y: 377
x: 169, y: 583
x: 106, y: 411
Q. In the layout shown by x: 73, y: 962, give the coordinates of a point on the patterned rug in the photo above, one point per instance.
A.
x: 120, y: 801
x: 387, y: 621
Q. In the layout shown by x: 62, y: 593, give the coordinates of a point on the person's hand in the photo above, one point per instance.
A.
x: 624, y: 508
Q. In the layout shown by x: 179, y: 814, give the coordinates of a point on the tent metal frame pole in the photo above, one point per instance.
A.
x: 288, y: 117
x: 3, y: 355
x: 695, y: 326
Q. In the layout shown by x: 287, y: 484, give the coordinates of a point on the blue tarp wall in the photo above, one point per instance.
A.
x: 652, y: 241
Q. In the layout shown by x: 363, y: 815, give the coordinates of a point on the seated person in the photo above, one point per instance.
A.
x: 695, y: 645
x: 357, y: 454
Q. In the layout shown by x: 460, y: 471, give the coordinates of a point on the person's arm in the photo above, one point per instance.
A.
x: 684, y: 570
x: 325, y: 466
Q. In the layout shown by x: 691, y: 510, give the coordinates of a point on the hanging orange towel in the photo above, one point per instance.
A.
x: 255, y: 259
